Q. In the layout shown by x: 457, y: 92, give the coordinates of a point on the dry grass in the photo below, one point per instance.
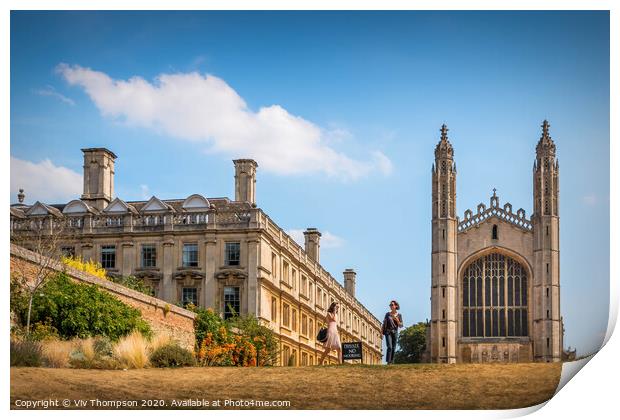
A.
x: 461, y: 386
x: 86, y: 346
x: 132, y: 351
x: 57, y: 353
x: 160, y: 340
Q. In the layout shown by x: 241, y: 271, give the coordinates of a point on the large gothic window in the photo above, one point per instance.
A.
x: 495, y: 298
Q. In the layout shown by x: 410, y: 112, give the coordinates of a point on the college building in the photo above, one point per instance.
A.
x: 211, y: 252
x: 495, y: 287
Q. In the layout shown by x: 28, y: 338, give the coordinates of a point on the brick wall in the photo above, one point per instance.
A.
x: 162, y: 316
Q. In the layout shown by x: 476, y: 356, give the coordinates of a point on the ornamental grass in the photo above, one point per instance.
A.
x: 132, y: 351
x: 162, y: 339
x: 57, y: 353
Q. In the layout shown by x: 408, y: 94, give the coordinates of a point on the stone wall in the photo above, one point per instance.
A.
x: 162, y: 316
x: 502, y: 351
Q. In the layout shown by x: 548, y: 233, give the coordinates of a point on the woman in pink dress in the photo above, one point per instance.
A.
x: 333, y: 340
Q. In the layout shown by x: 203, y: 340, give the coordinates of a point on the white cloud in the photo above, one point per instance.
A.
x: 44, y: 182
x: 590, y: 199
x: 297, y: 235
x: 204, y: 108
x: 145, y: 192
x: 335, y: 134
x: 328, y: 239
x: 50, y: 91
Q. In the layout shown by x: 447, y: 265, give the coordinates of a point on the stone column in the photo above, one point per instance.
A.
x: 129, y: 256
x: 210, y: 287
x: 253, y: 298
x: 169, y: 222
x: 87, y: 251
x: 88, y: 224
x: 168, y: 291
x: 128, y: 223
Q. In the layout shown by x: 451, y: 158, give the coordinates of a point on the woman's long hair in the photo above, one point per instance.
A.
x: 332, y: 307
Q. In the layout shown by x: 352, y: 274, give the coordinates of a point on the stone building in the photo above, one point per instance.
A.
x: 495, y: 292
x: 212, y: 252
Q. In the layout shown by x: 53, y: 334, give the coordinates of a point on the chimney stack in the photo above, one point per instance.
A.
x: 313, y: 239
x: 98, y: 177
x: 245, y: 180
x: 349, y: 281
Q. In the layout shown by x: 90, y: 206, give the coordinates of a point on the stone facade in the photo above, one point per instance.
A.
x: 495, y: 287
x: 217, y: 253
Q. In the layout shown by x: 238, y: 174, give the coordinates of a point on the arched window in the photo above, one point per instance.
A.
x: 495, y: 295
x: 494, y: 232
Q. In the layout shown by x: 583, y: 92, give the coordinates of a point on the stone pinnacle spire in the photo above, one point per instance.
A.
x: 545, y: 127
x: 545, y: 146
x: 444, y: 148
x: 444, y: 132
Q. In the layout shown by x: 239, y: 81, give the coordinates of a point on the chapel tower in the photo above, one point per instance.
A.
x: 547, y: 322
x: 443, y: 265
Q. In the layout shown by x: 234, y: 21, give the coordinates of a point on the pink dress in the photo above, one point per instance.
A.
x: 333, y: 340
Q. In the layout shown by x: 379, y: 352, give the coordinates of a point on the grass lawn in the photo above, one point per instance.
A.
x: 460, y: 386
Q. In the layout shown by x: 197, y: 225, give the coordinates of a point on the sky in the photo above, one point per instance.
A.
x: 342, y: 112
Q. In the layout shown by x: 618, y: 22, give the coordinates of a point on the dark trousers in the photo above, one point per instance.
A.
x: 391, y: 340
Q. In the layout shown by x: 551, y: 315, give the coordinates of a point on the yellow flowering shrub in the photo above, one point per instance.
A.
x: 213, y: 353
x: 89, y: 266
x: 239, y: 341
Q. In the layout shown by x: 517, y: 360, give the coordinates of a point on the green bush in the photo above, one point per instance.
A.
x: 134, y: 283
x: 43, y: 331
x: 411, y: 343
x: 103, y: 347
x: 18, y: 301
x: 171, y: 355
x: 26, y: 353
x: 207, y: 321
x: 81, y: 310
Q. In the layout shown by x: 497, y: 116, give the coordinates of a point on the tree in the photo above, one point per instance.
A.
x: 412, y: 343
x: 42, y: 235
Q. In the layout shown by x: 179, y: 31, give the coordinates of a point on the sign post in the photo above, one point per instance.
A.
x: 352, y: 351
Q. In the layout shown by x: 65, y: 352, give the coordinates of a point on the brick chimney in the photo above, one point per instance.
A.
x: 313, y: 239
x: 349, y: 281
x: 245, y: 180
x: 98, y: 177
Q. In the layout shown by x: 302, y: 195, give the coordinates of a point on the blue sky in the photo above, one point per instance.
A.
x: 342, y: 110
